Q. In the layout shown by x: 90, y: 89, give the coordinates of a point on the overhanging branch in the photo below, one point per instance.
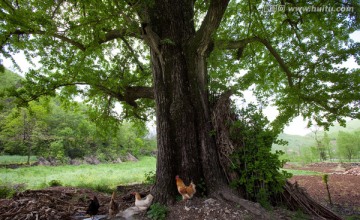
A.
x: 241, y: 44
x: 133, y: 54
x: 109, y: 36
x: 117, y: 34
x: 56, y: 35
x: 128, y: 94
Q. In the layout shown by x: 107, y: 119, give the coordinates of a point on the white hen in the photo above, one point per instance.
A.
x: 143, y: 203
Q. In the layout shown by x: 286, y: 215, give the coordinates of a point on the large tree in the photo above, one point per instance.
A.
x: 184, y: 54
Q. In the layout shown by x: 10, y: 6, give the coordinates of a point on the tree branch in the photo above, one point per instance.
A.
x: 129, y: 94
x: 228, y: 45
x: 231, y: 44
x: 116, y: 34
x: 133, y: 54
x: 56, y: 8
x: 9, y: 5
x: 61, y: 37
x: 278, y: 58
x: 110, y: 35
x: 210, y: 24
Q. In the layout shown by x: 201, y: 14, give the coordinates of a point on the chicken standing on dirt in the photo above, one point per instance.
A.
x: 187, y: 192
x: 142, y: 203
x: 113, y: 206
x: 93, y: 207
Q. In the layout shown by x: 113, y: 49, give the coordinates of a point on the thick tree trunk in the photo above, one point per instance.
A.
x: 185, y: 144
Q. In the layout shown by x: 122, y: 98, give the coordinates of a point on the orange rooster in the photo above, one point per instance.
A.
x: 113, y: 206
x: 187, y: 192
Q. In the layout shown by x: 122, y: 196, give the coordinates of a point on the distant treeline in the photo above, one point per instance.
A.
x: 338, y: 146
x: 44, y: 128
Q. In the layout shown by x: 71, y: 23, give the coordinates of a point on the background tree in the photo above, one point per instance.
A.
x: 184, y: 55
x: 44, y: 128
x: 20, y: 127
x: 8, y: 80
x: 320, y: 147
x: 326, y: 140
x: 348, y: 144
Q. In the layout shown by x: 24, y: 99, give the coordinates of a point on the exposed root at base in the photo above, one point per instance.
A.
x: 230, y: 196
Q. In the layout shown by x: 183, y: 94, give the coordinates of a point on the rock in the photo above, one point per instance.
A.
x: 92, y: 160
x: 43, y: 162
x: 130, y: 157
x: 75, y: 162
x: 210, y: 201
x: 118, y: 160
x: 52, y: 161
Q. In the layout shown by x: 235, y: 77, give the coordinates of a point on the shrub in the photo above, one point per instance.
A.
x: 258, y: 168
x: 103, y: 188
x: 150, y: 178
x: 6, y: 191
x: 54, y: 183
x: 157, y: 211
x: 97, y: 187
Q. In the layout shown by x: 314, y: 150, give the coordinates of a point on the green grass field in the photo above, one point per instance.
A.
x: 89, y: 176
x: 16, y: 159
x: 101, y: 177
x: 302, y: 172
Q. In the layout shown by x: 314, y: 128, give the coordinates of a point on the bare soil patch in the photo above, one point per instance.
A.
x: 344, y: 186
x: 69, y: 203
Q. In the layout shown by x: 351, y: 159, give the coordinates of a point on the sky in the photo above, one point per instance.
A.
x: 297, y: 127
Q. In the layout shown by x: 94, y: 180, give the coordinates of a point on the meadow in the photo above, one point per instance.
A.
x: 101, y: 177
x: 89, y: 176
x: 15, y: 159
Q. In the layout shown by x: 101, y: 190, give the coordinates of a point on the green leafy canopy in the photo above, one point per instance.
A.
x: 95, y: 48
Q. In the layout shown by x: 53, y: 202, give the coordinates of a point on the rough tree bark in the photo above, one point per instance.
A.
x: 185, y: 146
x: 178, y: 57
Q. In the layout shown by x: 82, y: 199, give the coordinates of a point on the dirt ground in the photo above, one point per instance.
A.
x: 71, y: 203
x: 344, y: 186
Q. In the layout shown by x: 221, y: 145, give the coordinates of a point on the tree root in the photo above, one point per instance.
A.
x: 229, y: 195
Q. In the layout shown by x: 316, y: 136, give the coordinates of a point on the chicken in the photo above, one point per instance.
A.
x: 93, y: 207
x: 113, y: 206
x: 143, y: 203
x: 187, y: 192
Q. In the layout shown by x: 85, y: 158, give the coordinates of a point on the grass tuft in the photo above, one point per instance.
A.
x: 303, y: 172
